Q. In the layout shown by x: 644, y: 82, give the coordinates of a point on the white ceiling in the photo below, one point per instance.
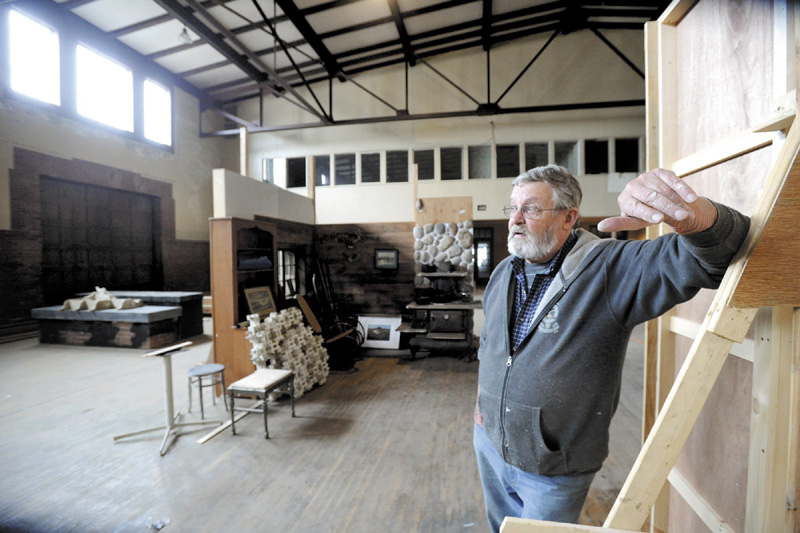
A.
x: 240, y: 48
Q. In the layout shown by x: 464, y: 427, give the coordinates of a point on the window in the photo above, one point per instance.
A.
x: 451, y: 163
x: 479, y: 162
x: 287, y: 273
x: 370, y: 168
x: 424, y: 161
x: 34, y: 59
x: 567, y: 155
x: 595, y: 157
x: 99, y: 88
x: 396, y: 166
x: 322, y: 170
x: 157, y: 113
x: 626, y: 155
x: 345, y: 169
x: 104, y: 89
x: 295, y: 172
x: 535, y: 155
x: 274, y: 171
x: 507, y: 160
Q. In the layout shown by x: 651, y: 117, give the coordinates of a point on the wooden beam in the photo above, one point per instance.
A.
x: 769, y: 433
x: 675, y: 12
x: 699, y: 505
x: 723, y: 326
x: 689, y: 329
x: 792, y: 515
x: 723, y: 151
x: 243, y: 163
x: 521, y: 525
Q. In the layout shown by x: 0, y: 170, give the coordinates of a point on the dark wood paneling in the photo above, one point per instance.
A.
x: 96, y: 237
x: 348, y: 250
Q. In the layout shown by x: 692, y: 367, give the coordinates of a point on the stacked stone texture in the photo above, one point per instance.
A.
x: 282, y: 341
x: 444, y: 242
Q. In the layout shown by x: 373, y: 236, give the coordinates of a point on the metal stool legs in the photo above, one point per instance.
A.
x: 259, y: 385
x: 216, y: 376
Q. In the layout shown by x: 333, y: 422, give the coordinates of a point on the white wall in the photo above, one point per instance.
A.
x: 575, y: 68
x: 241, y: 196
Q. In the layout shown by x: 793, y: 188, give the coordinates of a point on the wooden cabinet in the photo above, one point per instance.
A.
x: 243, y: 256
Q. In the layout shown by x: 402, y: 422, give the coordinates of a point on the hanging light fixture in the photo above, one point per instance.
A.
x: 184, y: 36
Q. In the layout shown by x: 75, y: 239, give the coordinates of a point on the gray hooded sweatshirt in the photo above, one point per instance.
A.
x: 547, y: 406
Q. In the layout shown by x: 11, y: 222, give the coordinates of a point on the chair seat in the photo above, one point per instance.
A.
x: 205, y: 370
x: 204, y: 376
x: 261, y: 380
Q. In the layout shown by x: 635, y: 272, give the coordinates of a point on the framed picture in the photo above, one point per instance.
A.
x: 260, y: 301
x: 381, y: 331
x: 386, y: 259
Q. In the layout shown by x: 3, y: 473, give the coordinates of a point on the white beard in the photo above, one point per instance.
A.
x: 532, y: 247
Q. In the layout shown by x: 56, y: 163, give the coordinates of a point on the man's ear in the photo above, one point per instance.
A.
x: 572, y: 217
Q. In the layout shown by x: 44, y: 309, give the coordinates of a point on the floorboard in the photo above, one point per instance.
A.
x: 384, y: 448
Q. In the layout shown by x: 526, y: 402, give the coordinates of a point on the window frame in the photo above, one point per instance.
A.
x: 72, y: 31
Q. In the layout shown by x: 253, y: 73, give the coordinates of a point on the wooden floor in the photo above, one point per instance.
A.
x: 386, y: 448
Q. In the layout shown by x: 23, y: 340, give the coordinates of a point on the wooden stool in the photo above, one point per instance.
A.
x: 259, y: 384
x: 215, y: 373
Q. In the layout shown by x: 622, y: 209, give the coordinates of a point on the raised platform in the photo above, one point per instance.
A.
x: 146, y: 327
x: 190, y: 322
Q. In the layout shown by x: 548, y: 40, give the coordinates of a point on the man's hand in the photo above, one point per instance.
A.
x: 661, y: 196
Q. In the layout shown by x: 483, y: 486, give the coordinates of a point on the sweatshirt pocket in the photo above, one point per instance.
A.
x: 529, y: 451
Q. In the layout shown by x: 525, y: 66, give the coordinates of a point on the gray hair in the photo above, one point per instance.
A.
x: 566, y: 189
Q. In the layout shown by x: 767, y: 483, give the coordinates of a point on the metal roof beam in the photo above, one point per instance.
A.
x: 405, y: 42
x: 299, y: 20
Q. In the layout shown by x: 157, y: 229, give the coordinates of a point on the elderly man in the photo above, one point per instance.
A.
x: 558, y: 316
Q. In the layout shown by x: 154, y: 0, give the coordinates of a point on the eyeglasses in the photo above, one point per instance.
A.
x: 528, y: 211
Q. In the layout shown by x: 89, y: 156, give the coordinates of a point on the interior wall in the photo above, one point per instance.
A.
x: 187, y: 168
x: 360, y: 288
x: 185, y: 264
x: 550, y: 80
x: 240, y: 196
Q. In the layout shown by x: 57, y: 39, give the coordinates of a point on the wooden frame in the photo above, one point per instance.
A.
x: 386, y: 259
x: 381, y: 331
x: 771, y: 251
x: 260, y: 301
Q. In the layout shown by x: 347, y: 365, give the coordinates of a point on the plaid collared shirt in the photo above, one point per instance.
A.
x: 526, y: 301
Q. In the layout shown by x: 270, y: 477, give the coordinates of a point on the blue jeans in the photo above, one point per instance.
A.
x: 509, y: 491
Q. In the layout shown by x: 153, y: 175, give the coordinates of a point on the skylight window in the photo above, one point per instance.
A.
x: 104, y: 89
x: 34, y: 59
x: 157, y: 113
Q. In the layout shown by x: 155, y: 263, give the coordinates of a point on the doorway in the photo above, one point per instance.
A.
x: 483, y: 242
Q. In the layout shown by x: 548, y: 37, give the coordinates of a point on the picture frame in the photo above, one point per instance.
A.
x: 381, y: 331
x: 386, y: 259
x: 260, y: 301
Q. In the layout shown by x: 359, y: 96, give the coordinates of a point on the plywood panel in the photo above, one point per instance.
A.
x: 450, y: 209
x: 776, y: 255
x: 724, y: 61
x: 714, y: 459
